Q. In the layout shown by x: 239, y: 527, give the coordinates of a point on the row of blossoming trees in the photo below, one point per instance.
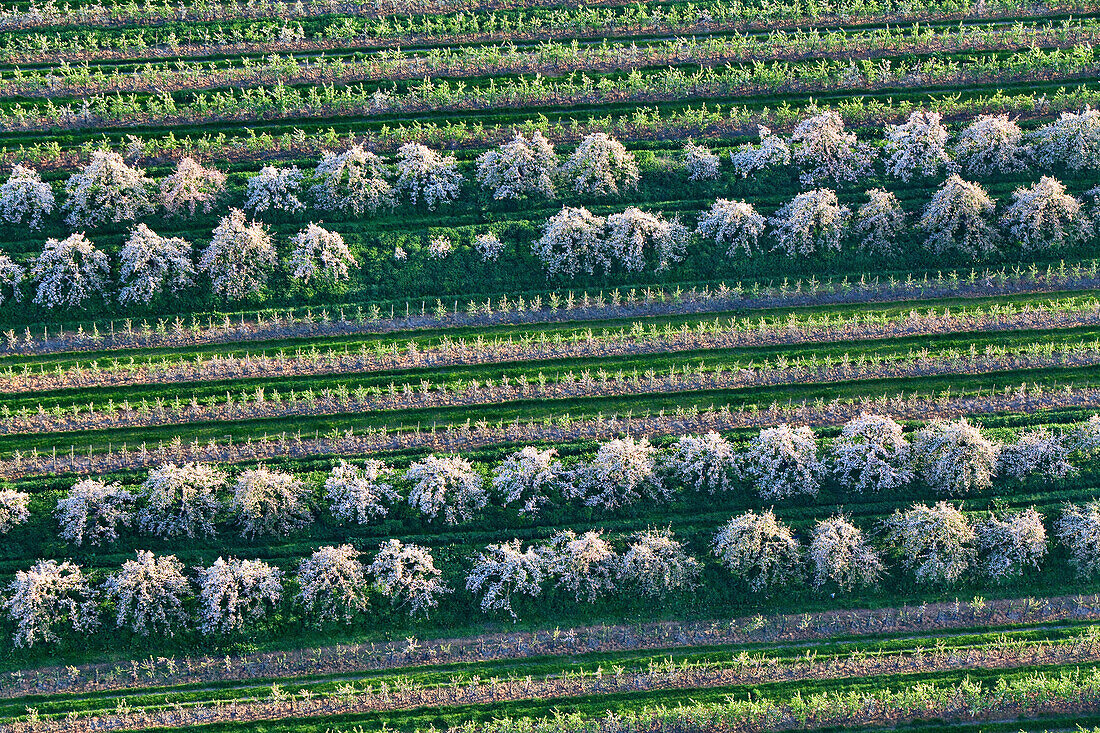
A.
x: 938, y: 544
x: 872, y: 454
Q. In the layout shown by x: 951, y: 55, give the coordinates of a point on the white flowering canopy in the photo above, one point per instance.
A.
x: 239, y: 258
x: 180, y: 501
x: 332, y: 585
x: 811, y: 221
x: 656, y: 564
x: 1010, y: 542
x: 572, y: 242
x: 879, y: 221
x: 760, y: 550
x: 699, y: 162
x: 353, y: 182
x: 782, y: 462
x: 148, y: 594
x: 917, y: 147
x: 529, y: 478
x: 623, y: 472
x: 502, y: 572
x: 13, y: 509
x: 407, y: 574
x: 601, y: 166
x: 954, y: 457
x: 107, y: 190
x: 93, y: 511
x: 583, y: 566
x: 190, y: 188
x: 68, y: 272
x: 992, y: 144
x: 641, y: 241
x: 518, y: 168
x: 935, y: 542
x: 1079, y: 530
x: 234, y: 593
x: 425, y: 176
x: 357, y: 494
x: 871, y: 454
x: 11, y: 277
x: 704, y: 463
x: 1073, y: 140
x: 49, y: 595
x: 1043, y: 216
x: 274, y: 189
x: 488, y: 246
x: 840, y: 555
x: 270, y: 503
x: 1039, y: 451
x: 319, y: 256
x: 958, y: 218
x: 25, y: 198
x: 773, y: 151
x: 151, y: 264
x: 440, y: 247
x: 823, y: 149
x: 735, y: 225
x: 447, y: 486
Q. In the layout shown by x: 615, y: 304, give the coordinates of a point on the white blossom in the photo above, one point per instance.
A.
x: 239, y: 258
x: 811, y: 221
x: 1011, y: 541
x: 699, y: 162
x: 735, y: 225
x: 1085, y: 436
x: 425, y: 176
x: 957, y: 217
x: 823, y: 149
x: 407, y: 574
x: 107, y: 190
x: 447, y: 486
x: 782, y: 462
x: 49, y: 595
x: 149, y: 594
x: 191, y: 187
x: 519, y: 167
x: 1079, y: 530
x: 270, y: 503
x: 656, y: 564
x: 11, y: 277
x: 601, y: 166
x: 399, y: 254
x: 935, y: 542
x: 25, y: 198
x: 180, y: 501
x: 332, y: 585
x: 992, y: 144
x: 235, y: 592
x: 529, y: 477
x: 918, y: 146
x: 954, y: 457
x: 1039, y: 451
x: 572, y: 241
x: 584, y: 566
x: 879, y: 221
x: 772, y: 151
x: 641, y: 241
x: 622, y: 472
x: 760, y: 550
x: 150, y: 263
x: 319, y: 255
x: 353, y: 182
x: 274, y: 189
x: 92, y: 511
x: 1073, y: 140
x: 1044, y: 216
x: 871, y: 454
x: 439, y: 247
x: 502, y: 571
x: 359, y: 494
x: 704, y: 463
x: 69, y: 271
x: 840, y: 554
x: 488, y: 246
x: 13, y: 509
